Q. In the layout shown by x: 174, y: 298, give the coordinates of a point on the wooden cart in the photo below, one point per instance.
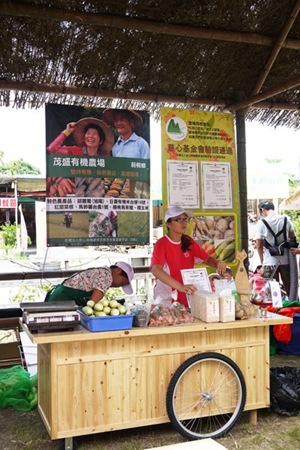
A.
x: 97, y: 382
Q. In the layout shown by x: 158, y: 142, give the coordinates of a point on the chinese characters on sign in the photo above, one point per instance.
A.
x: 199, y: 170
x: 8, y: 202
x: 97, y: 183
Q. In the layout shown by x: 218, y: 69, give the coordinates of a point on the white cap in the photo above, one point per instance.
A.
x: 175, y: 211
x: 130, y: 274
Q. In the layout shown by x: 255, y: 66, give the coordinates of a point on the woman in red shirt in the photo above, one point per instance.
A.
x: 176, y: 251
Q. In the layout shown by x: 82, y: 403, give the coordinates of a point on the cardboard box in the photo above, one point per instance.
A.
x: 227, y: 308
x: 10, y: 352
x: 205, y: 306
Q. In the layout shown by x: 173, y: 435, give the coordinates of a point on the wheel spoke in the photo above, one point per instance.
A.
x: 206, y: 396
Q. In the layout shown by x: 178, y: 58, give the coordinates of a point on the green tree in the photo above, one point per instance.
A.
x: 17, y: 167
x: 9, y: 236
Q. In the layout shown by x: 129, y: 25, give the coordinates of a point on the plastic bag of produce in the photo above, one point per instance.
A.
x: 182, y: 315
x: 141, y: 315
x: 18, y: 389
x: 162, y: 315
x: 285, y: 390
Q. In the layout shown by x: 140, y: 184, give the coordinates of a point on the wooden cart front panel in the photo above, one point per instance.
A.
x: 45, y: 387
x: 111, y: 384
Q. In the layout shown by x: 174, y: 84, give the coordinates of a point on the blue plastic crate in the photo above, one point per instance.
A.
x: 106, y: 323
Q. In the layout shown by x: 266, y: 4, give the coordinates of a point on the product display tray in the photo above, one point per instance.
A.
x: 106, y: 323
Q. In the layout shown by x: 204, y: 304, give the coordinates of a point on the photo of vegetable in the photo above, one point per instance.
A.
x: 59, y: 186
x: 216, y: 234
x: 103, y: 224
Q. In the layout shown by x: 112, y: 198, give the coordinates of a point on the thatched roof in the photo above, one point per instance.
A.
x: 212, y: 54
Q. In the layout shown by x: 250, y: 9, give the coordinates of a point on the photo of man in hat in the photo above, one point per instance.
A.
x: 92, y: 137
x: 128, y: 144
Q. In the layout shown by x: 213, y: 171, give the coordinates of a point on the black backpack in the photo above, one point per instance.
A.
x: 276, y: 249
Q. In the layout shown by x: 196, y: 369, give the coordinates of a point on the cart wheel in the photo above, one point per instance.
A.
x: 68, y: 444
x: 206, y: 396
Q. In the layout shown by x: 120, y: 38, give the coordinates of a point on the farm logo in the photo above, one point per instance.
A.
x: 176, y: 129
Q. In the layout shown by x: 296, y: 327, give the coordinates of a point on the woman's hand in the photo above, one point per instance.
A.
x: 71, y: 127
x: 221, y: 267
x: 187, y: 289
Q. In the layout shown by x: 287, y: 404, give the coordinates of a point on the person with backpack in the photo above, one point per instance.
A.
x: 273, y: 234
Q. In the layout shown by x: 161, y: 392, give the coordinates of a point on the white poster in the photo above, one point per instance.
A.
x: 24, y: 234
x: 197, y: 277
x: 275, y: 294
x: 183, y: 184
x: 216, y: 185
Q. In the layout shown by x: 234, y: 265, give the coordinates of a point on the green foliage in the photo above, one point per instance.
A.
x: 31, y: 293
x: 295, y: 219
x: 113, y: 293
x: 9, y: 235
x: 142, y: 290
x: 17, y: 167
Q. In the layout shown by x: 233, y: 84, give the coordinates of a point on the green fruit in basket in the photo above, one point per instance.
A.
x: 122, y: 309
x: 90, y: 303
x: 99, y: 313
x: 113, y: 304
x: 98, y: 306
x: 88, y: 310
x: 104, y: 302
x: 106, y: 309
x: 114, y: 312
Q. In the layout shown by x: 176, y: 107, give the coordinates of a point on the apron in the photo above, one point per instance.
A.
x: 64, y: 293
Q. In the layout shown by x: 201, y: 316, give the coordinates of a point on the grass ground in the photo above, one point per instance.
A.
x: 57, y: 229
x: 26, y: 431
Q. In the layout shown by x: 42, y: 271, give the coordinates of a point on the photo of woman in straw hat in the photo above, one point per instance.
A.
x: 129, y: 144
x: 92, y: 137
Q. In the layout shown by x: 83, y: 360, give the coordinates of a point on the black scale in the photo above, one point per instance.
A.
x: 50, y: 316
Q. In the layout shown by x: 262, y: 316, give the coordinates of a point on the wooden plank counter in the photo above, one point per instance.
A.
x: 96, y: 382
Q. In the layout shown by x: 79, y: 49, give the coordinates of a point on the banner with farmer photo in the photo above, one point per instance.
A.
x: 199, y: 173
x: 97, y: 176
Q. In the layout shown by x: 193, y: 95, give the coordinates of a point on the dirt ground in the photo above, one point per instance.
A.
x: 26, y: 431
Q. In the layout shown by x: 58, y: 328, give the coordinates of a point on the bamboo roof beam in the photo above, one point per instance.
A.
x: 90, y: 92
x: 277, y: 106
x: 17, y: 9
x: 276, y: 49
x: 98, y: 93
x: 250, y: 101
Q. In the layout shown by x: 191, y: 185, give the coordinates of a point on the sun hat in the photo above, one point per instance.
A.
x: 130, y: 274
x: 108, y: 115
x: 175, y: 211
x: 78, y: 133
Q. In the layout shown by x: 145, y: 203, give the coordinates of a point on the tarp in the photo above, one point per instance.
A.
x: 292, y: 202
x: 26, y: 200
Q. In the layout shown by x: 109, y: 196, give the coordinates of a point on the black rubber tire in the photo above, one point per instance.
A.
x: 206, y: 396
